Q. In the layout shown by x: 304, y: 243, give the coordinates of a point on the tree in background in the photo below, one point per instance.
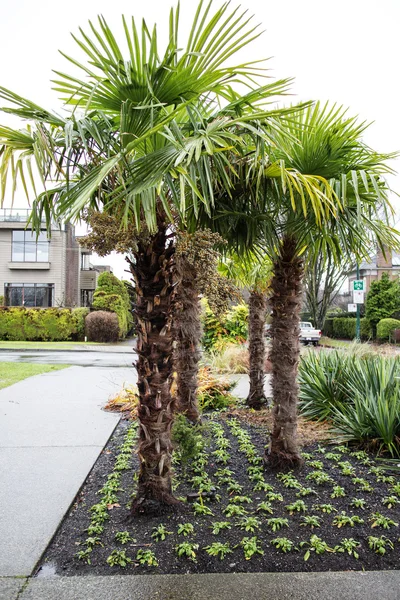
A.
x: 253, y: 273
x: 383, y: 300
x: 323, y: 280
x: 112, y: 295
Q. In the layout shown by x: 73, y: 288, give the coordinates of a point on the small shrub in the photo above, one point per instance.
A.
x: 41, y: 324
x: 234, y: 358
x: 385, y: 329
x: 189, y: 438
x: 102, y: 326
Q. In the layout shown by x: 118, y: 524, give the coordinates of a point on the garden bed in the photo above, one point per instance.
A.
x: 231, y: 463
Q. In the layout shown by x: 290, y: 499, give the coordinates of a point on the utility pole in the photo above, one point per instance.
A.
x: 358, y: 323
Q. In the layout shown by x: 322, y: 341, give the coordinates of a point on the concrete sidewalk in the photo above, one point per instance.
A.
x: 350, y: 585
x: 52, y: 430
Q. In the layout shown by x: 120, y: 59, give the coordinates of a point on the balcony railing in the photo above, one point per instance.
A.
x: 15, y: 215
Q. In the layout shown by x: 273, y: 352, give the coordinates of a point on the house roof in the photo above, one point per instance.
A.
x: 372, y: 264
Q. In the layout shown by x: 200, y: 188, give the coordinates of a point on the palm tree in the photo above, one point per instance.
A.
x: 329, y: 148
x: 146, y: 137
x: 254, y: 273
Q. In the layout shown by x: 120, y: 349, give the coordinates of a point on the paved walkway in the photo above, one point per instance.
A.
x: 349, y: 585
x: 52, y: 430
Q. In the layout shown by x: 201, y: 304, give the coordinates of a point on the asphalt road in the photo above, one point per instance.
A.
x: 80, y: 359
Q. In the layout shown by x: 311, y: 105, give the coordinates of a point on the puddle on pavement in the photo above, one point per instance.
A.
x: 48, y: 569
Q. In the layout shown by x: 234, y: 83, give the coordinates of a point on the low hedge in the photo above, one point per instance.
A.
x: 345, y: 328
x: 42, y: 324
x: 385, y: 329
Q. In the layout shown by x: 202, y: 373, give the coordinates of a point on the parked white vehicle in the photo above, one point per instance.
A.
x: 309, y: 335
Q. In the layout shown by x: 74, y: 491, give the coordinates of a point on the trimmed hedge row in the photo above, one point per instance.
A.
x: 345, y: 328
x: 42, y: 324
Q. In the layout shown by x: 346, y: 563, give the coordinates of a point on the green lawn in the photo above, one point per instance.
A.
x: 325, y: 341
x: 11, y: 373
x: 46, y: 345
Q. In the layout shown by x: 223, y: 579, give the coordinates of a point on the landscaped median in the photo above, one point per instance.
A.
x: 11, y: 372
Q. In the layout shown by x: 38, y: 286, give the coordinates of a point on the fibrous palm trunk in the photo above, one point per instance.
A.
x: 257, y: 311
x: 286, y: 302
x: 153, y: 271
x: 188, y: 334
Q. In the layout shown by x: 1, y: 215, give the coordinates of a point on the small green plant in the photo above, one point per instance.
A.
x: 350, y: 546
x: 316, y: 464
x: 305, y: 491
x: 379, y: 544
x: 188, y: 550
x: 283, y: 544
x: 218, y: 549
x: 277, y: 523
x: 249, y: 524
x: 85, y: 555
x: 325, y: 508
x: 262, y: 486
x: 333, y: 456
x: 251, y: 546
x: 146, y: 557
x: 358, y: 503
x: 390, y: 501
x: 319, y: 477
x: 306, y: 456
x: 241, y: 500
x: 289, y: 481
x: 363, y: 484
x: 185, y: 529
x: 343, y: 519
x: 234, y: 510
x: 123, y: 537
x: 338, y: 492
x: 265, y: 507
x: 218, y: 526
x: 396, y: 489
x: 234, y: 487
x: 379, y: 520
x: 160, y: 533
x: 221, y: 456
x: 95, y: 529
x: 298, y: 506
x: 201, y: 509
x: 311, y: 521
x: 274, y: 496
x: 118, y: 558
x: 315, y: 544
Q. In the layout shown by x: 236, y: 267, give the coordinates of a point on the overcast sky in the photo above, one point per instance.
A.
x: 346, y: 51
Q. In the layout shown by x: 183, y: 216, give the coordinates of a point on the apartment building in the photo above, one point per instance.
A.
x: 44, y: 271
x: 372, y: 270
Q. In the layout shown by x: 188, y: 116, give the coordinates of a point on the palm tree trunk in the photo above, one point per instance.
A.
x: 188, y: 334
x: 153, y: 271
x: 286, y: 305
x: 257, y: 311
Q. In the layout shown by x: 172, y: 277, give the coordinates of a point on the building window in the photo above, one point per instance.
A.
x: 87, y: 298
x: 85, y: 262
x: 29, y: 294
x: 25, y: 247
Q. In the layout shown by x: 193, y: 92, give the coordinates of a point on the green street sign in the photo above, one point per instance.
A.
x: 358, y: 285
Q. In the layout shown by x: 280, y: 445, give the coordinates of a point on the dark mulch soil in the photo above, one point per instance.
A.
x: 71, y: 535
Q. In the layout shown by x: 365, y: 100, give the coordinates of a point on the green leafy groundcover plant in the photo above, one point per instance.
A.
x: 332, y: 531
x: 42, y: 324
x: 360, y: 396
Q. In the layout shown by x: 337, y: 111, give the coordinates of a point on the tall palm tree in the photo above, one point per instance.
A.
x: 330, y: 149
x: 146, y: 136
x: 253, y: 272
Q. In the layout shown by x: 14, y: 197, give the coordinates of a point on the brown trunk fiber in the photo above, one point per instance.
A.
x: 285, y: 303
x: 257, y: 310
x: 153, y: 272
x: 188, y: 334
